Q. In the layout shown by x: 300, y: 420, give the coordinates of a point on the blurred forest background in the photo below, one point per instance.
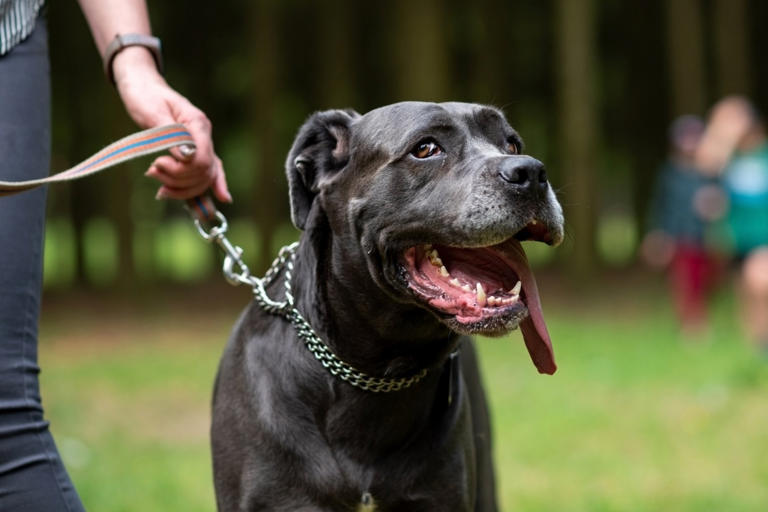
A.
x: 591, y: 85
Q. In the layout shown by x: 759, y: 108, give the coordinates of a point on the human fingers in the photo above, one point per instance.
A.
x: 181, y: 193
x: 168, y: 171
x: 220, y: 189
x: 176, y: 174
x: 199, y: 127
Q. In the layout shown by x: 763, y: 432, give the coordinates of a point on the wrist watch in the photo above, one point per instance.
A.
x: 122, y: 41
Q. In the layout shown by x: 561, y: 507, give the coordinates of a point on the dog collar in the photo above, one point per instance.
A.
x: 330, y: 361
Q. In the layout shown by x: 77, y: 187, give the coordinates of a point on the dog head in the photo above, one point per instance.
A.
x: 433, y: 200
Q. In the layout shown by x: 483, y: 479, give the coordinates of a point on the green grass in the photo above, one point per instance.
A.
x: 634, y: 420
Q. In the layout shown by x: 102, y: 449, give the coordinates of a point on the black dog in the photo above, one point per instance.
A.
x: 355, y: 399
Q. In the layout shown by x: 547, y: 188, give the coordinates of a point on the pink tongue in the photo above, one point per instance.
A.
x: 534, y: 329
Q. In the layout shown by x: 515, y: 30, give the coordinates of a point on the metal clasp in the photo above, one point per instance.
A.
x: 234, y: 268
x: 215, y: 231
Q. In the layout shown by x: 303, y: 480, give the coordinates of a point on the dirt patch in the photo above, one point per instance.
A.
x: 81, y: 321
x: 174, y: 417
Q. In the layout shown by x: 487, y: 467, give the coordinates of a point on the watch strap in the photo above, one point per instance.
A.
x: 122, y: 41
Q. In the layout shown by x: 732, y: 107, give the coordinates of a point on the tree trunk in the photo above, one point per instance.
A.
x: 336, y: 83
x: 731, y: 47
x: 267, y: 204
x: 685, y: 65
x: 420, y: 50
x: 644, y: 137
x: 577, y: 69
x: 491, y: 60
x: 121, y: 214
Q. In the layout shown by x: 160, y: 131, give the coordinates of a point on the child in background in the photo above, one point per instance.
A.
x: 685, y: 200
x: 736, y: 144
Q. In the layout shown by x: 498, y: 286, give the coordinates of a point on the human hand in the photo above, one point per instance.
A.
x: 151, y: 102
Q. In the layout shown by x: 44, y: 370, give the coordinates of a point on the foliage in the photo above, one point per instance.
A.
x: 258, y: 69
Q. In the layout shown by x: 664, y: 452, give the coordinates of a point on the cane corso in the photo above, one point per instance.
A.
x: 364, y: 393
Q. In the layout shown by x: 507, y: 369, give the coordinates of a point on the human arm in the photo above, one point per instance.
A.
x: 151, y: 102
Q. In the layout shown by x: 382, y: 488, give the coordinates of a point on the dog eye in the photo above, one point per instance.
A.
x: 513, y: 148
x: 426, y: 149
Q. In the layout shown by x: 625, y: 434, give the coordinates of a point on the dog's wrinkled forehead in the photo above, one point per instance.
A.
x: 395, y: 128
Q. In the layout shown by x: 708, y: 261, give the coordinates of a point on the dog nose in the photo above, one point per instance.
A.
x: 524, y: 173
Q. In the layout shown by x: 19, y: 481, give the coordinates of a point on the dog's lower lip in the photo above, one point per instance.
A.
x: 497, y: 267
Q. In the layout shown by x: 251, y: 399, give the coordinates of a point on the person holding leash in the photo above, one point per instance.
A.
x: 32, y: 476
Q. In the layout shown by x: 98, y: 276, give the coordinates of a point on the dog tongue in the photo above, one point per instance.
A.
x: 534, y: 329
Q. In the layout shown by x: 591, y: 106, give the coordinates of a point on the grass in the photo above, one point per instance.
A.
x: 634, y: 420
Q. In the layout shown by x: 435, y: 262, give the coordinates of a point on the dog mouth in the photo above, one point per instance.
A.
x: 484, y: 290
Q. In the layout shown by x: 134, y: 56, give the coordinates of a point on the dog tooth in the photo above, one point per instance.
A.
x: 481, y: 297
x: 534, y: 222
x: 507, y: 302
x: 492, y: 300
x: 466, y: 288
x: 516, y: 289
x: 455, y: 282
x: 434, y: 258
x: 444, y: 271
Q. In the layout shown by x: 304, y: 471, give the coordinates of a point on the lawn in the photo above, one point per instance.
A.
x: 635, y: 419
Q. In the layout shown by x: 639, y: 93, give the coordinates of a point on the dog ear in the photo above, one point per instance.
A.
x: 321, y: 148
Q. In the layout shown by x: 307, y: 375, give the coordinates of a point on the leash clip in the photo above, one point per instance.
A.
x: 215, y: 232
x: 232, y: 253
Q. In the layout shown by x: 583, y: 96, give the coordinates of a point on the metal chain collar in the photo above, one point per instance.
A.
x: 285, y: 260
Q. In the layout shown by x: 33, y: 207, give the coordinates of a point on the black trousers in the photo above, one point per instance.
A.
x: 32, y: 476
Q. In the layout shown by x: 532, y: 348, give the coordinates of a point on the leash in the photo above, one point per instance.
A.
x: 212, y: 226
x: 133, y: 146
x: 136, y: 145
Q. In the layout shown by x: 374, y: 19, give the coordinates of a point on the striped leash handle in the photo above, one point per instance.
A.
x: 128, y: 148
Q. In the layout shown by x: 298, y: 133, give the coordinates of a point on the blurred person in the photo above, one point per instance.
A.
x: 32, y: 477
x: 736, y: 143
x: 685, y: 200
x: 754, y: 289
